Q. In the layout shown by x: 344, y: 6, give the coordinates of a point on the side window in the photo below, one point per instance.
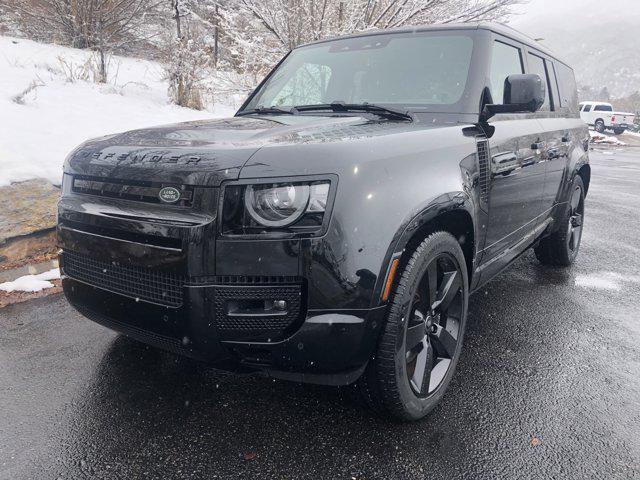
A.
x: 603, y: 108
x: 506, y: 61
x: 587, y: 108
x: 568, y: 88
x: 538, y: 65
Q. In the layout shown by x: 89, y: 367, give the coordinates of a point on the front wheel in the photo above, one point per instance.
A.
x: 561, y: 247
x: 422, y: 340
x: 618, y: 131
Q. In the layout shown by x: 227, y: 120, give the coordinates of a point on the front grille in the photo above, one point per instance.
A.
x: 130, y: 190
x: 135, y: 282
x: 266, y: 327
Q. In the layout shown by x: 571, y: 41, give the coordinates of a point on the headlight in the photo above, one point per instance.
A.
x: 276, y: 205
x: 291, y: 207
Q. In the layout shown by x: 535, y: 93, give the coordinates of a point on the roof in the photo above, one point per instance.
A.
x: 495, y: 27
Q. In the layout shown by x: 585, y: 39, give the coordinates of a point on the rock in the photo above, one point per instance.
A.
x: 27, y: 223
x: 27, y: 207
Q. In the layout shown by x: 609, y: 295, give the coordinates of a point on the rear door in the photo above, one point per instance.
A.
x: 562, y: 127
x: 517, y: 171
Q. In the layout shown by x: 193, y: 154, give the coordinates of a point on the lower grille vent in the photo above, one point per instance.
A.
x: 246, y: 280
x: 272, y: 326
x: 135, y: 282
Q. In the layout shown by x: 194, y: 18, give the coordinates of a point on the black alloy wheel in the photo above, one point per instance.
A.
x: 420, y: 345
x: 576, y: 213
x: 433, y: 329
x: 561, y: 248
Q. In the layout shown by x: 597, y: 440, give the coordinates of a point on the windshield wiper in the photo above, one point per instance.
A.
x: 261, y: 109
x: 339, y: 106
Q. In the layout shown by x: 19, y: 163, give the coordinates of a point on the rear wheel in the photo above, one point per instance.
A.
x: 561, y: 248
x: 618, y: 131
x: 599, y: 126
x: 422, y: 340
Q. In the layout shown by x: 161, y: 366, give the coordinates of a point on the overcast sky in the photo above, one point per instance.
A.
x: 557, y: 12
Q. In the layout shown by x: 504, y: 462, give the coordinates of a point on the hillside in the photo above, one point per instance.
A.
x: 603, y: 47
x: 62, y: 110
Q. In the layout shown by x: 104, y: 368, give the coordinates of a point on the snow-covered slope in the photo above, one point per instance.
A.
x: 35, y: 136
x: 599, y: 39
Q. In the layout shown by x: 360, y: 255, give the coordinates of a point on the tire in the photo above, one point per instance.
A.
x: 386, y: 384
x: 561, y: 248
x: 599, y: 126
x: 618, y: 131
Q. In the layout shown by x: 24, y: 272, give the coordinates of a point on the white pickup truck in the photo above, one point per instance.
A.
x: 601, y: 116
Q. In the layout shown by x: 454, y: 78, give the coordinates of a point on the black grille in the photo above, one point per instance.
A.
x: 483, y: 163
x: 135, y: 282
x: 272, y: 326
x: 245, y: 280
x: 130, y: 190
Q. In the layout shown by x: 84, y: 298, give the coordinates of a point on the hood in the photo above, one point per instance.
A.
x: 208, y: 152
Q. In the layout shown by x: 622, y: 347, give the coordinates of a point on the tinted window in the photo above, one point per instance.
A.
x: 603, y: 108
x: 587, y: 108
x: 506, y: 60
x: 567, y: 85
x: 537, y: 66
x: 418, y: 69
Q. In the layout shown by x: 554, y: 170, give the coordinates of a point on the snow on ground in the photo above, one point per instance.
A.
x: 601, y: 138
x: 605, y: 280
x: 59, y: 114
x: 31, y: 283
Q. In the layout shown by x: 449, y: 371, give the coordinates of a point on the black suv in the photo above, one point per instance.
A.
x: 333, y: 230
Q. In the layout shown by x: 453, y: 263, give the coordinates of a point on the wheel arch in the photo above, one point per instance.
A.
x: 455, y: 216
x: 585, y: 173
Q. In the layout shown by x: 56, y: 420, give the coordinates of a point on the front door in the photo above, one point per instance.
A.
x: 516, y: 184
x: 517, y: 171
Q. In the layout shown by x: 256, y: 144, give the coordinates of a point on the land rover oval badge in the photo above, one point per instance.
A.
x: 169, y: 195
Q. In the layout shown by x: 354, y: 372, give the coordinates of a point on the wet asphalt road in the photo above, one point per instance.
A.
x: 548, y: 386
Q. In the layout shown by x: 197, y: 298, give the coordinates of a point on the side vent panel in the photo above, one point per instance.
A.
x: 483, y: 164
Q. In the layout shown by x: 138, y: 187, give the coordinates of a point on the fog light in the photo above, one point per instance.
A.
x: 280, y: 305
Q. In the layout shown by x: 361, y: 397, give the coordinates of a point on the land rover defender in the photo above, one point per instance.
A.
x: 332, y: 230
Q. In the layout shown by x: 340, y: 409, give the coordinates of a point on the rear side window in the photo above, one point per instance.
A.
x: 538, y: 66
x: 506, y: 61
x: 603, y: 108
x: 567, y: 86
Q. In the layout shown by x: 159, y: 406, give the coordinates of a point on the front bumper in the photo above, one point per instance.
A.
x: 327, y: 347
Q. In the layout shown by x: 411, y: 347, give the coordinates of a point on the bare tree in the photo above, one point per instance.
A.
x: 264, y: 30
x: 190, y: 50
x: 100, y: 25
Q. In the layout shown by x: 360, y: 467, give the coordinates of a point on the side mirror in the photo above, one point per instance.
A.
x: 523, y: 93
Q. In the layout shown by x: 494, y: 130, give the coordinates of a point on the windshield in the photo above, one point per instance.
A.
x: 420, y: 69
